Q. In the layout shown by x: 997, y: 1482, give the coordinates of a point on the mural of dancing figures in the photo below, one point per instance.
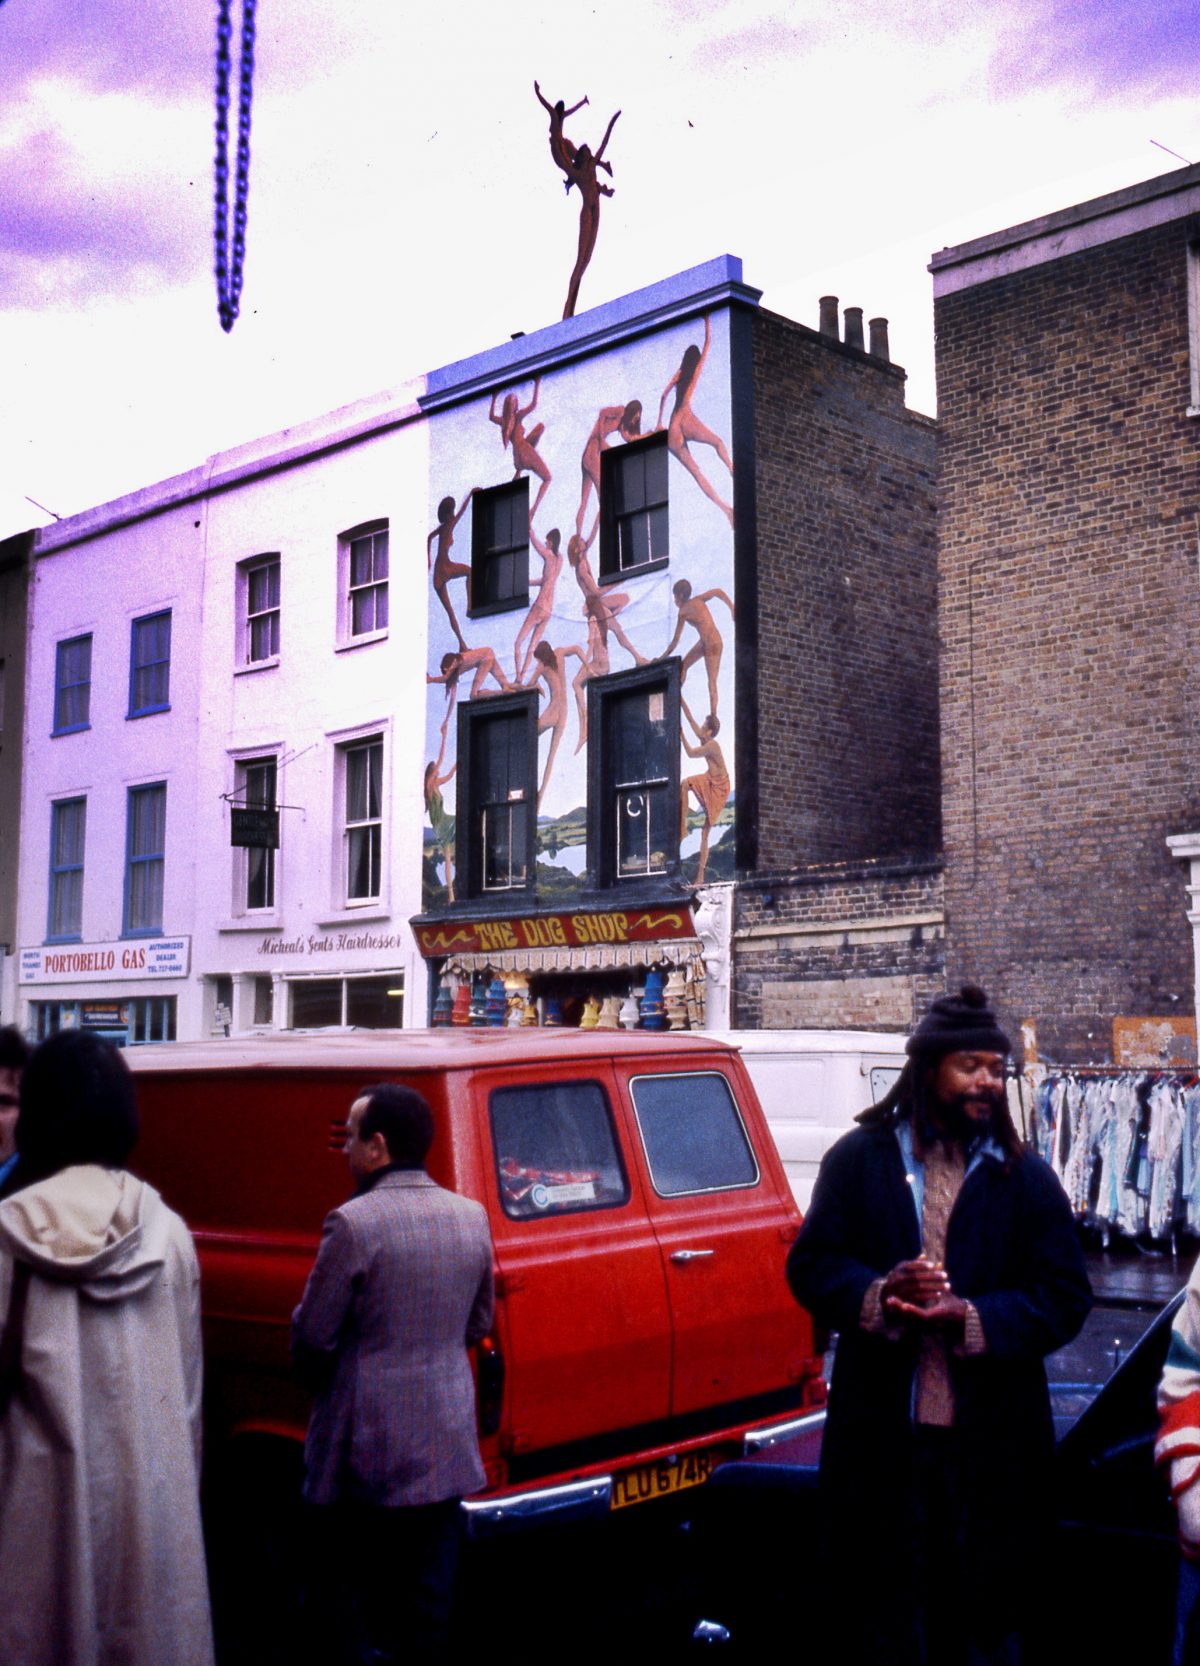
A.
x: 579, y: 601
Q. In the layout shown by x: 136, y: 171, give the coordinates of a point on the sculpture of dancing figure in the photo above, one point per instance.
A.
x: 579, y: 165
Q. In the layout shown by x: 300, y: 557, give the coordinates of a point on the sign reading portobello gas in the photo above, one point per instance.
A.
x: 154, y: 957
x: 554, y: 931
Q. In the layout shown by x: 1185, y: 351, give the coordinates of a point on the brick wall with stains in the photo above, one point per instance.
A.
x: 1070, y: 694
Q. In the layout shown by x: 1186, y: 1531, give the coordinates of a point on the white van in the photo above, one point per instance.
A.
x: 812, y: 1084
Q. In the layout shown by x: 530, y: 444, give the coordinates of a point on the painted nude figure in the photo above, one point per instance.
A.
x: 685, y: 427
x: 694, y: 611
x: 443, y: 568
x: 625, y: 420
x: 602, y: 605
x: 483, y: 662
x: 511, y: 422
x: 593, y: 662
x: 536, y: 620
x: 554, y: 715
x: 711, y: 790
x: 579, y: 165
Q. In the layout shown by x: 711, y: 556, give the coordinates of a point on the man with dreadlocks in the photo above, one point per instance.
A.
x: 944, y: 1254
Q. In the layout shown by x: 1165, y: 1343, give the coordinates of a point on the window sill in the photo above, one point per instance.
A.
x: 639, y: 571
x: 367, y: 914
x: 150, y: 931
x: 57, y: 942
x: 147, y: 711
x: 247, y: 922
x: 509, y: 604
x: 363, y: 641
x: 71, y: 729
x: 1192, y: 411
x: 271, y: 664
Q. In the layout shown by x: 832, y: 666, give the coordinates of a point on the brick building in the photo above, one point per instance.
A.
x: 790, y: 494
x: 1068, y: 355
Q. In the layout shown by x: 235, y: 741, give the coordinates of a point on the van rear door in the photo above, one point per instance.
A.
x: 720, y: 1211
x: 583, y: 1316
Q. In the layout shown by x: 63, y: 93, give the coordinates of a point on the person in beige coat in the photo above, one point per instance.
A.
x: 101, y: 1554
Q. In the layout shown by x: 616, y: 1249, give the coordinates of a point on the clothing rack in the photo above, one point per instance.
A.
x: 1125, y: 1142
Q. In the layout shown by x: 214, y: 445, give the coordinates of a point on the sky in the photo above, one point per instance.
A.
x: 405, y: 212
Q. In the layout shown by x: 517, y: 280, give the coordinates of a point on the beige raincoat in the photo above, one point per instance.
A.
x: 101, y: 1554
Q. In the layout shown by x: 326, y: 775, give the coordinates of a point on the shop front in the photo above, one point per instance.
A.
x: 607, y: 969
x: 126, y: 991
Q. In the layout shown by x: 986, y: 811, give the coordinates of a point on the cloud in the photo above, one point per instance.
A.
x: 70, y: 230
x: 1108, y: 48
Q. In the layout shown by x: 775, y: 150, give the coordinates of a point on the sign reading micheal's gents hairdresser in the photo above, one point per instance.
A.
x: 151, y: 957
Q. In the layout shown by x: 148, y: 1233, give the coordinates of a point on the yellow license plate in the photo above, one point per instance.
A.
x: 660, y: 1480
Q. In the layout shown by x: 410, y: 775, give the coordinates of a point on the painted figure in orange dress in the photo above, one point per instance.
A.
x: 625, y: 420
x: 685, y: 426
x: 443, y: 568
x: 693, y: 610
x: 711, y: 790
x: 536, y: 620
x: 511, y: 422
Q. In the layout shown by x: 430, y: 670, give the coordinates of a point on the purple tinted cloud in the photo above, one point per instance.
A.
x: 64, y: 236
x: 1110, y: 47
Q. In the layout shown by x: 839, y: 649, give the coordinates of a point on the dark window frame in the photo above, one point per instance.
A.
x: 259, y: 857
x: 255, y: 620
x: 61, y: 870
x: 140, y: 636
x: 602, y: 694
x: 487, y: 555
x: 469, y: 847
x: 64, y: 690
x: 377, y: 584
x: 135, y: 860
x: 616, y: 524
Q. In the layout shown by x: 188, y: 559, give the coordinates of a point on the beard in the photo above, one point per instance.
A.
x: 968, y: 1115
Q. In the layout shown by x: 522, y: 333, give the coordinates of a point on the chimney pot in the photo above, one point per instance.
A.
x: 853, y: 335
x: 879, y: 340
x: 829, y: 317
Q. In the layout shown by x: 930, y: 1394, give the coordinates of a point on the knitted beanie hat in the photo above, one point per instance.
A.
x: 962, y: 1023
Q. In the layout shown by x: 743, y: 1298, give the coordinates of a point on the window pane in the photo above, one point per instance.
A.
x: 555, y: 1150
x: 654, y: 462
x: 356, y: 784
x: 148, y: 808
x: 68, y: 830
x: 381, y: 607
x: 73, y: 672
x: 316, y: 1003
x: 656, y: 520
x: 145, y: 896
x: 692, y: 1133
x: 381, y: 555
x: 369, y: 1004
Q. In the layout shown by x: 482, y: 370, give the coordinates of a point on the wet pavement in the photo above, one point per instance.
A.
x: 1131, y: 1285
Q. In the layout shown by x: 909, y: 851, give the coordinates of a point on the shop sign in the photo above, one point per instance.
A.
x: 554, y: 931
x: 253, y: 829
x: 151, y: 957
x: 103, y: 1015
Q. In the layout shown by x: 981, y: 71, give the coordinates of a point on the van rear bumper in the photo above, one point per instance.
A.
x: 589, y: 1498
x: 488, y: 1518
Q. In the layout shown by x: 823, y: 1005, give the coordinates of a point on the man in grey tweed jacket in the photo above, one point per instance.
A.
x: 401, y: 1286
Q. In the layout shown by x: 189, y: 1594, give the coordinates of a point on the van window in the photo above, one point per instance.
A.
x: 693, y: 1134
x: 555, y: 1149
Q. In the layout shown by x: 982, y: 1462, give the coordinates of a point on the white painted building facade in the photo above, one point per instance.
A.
x: 238, y: 636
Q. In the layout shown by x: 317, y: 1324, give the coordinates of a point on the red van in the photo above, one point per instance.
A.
x: 640, y: 1216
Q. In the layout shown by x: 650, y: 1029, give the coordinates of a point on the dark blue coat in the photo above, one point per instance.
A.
x: 1011, y: 1250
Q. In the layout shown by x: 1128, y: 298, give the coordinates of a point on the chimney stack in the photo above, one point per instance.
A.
x: 853, y: 336
x: 879, y: 340
x: 829, y: 317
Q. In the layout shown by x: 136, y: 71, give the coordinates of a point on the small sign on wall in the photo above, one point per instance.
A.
x: 253, y: 829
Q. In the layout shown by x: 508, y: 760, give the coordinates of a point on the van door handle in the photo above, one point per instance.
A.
x: 681, y: 1257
